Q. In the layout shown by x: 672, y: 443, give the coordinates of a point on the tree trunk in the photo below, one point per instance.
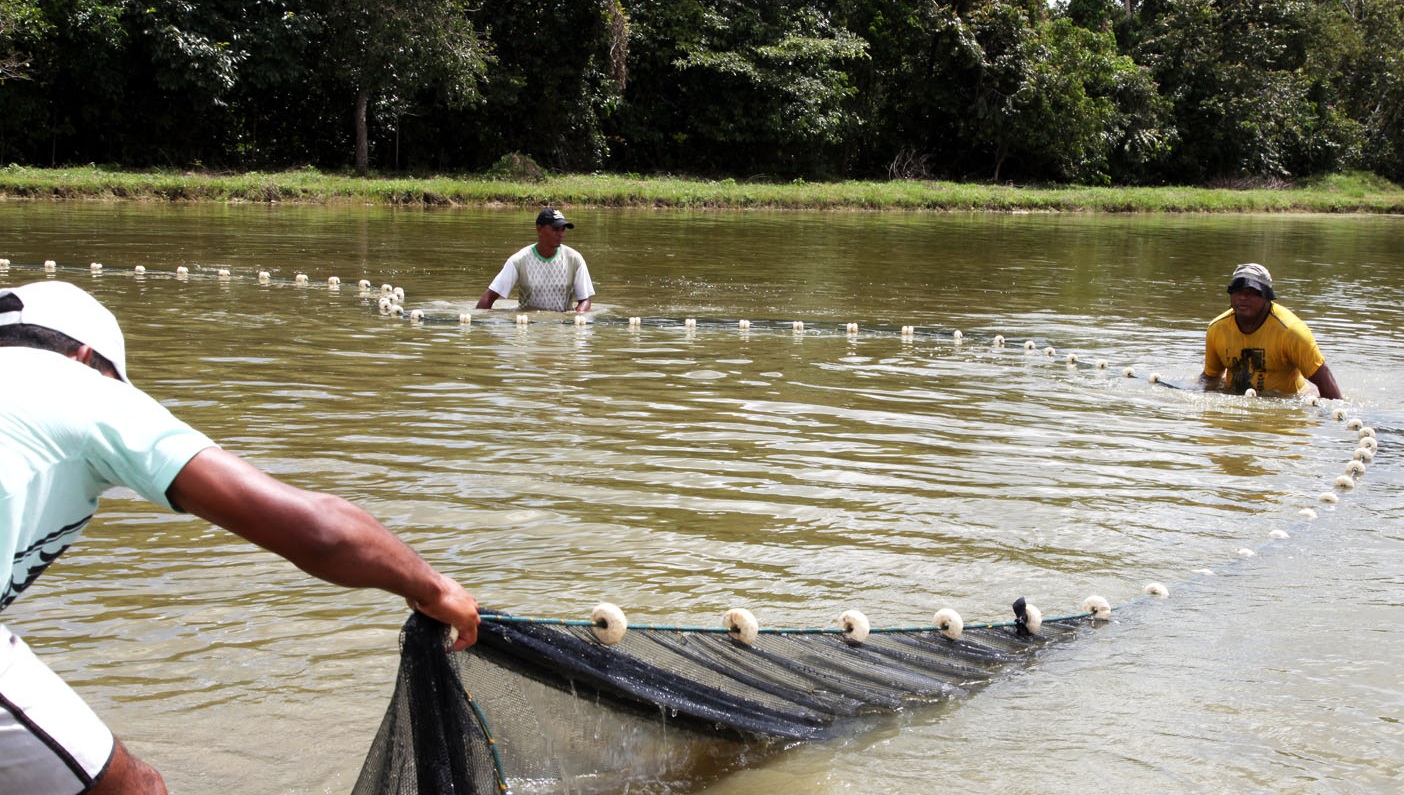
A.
x: 362, y: 136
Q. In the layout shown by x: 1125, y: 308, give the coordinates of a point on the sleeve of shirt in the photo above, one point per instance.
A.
x: 1213, y: 365
x: 505, y: 280
x: 1304, y: 352
x: 139, y: 444
x: 584, y: 288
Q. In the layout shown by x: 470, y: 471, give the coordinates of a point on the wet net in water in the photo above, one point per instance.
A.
x: 548, y: 706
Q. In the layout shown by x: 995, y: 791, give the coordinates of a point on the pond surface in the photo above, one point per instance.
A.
x: 679, y: 472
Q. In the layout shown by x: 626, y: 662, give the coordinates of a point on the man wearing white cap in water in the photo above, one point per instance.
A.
x: 71, y: 427
x: 1259, y: 344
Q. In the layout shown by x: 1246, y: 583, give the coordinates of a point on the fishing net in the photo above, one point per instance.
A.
x: 546, y: 705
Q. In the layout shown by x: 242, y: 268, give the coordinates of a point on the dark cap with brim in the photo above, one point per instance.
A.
x: 552, y: 217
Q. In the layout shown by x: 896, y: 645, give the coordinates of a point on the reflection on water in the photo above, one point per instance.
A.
x: 680, y: 472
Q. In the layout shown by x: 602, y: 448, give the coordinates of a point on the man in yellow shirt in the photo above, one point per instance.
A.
x: 1261, y: 345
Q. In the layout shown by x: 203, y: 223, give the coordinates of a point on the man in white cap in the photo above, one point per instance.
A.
x: 73, y: 426
x: 1259, y: 344
x: 548, y: 275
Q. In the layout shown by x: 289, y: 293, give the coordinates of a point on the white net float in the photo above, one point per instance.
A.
x: 743, y: 324
x: 1157, y: 589
x: 690, y: 322
x: 1098, y: 606
x: 798, y: 325
x: 609, y: 623
x: 851, y: 328
x: 223, y: 274
x: 580, y: 320
x: 1308, y: 513
x: 416, y: 315
x: 1029, y: 345
x: 264, y: 277
x: 300, y: 278
x: 333, y: 281
x: 1154, y: 378
x: 1355, y: 468
x: 949, y: 622
x: 182, y: 271
x: 1050, y: 351
x: 855, y: 627
x: 1338, y: 413
x: 1345, y: 482
x: 523, y: 320
x: 1329, y: 498
x: 1129, y: 372
x: 1250, y: 392
x: 1103, y: 364
x: 1245, y: 552
x: 1278, y: 532
x: 999, y: 341
x: 50, y: 265
x: 364, y: 284
x: 1072, y: 358
x: 465, y: 318
x: 741, y: 625
x: 95, y: 267
x: 138, y: 269
x: 1355, y: 424
x: 1367, y: 433
x: 957, y: 336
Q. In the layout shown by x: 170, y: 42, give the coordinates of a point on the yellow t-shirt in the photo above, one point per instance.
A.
x: 1276, y: 358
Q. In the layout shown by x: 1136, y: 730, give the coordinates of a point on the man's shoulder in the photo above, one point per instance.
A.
x: 1226, y: 315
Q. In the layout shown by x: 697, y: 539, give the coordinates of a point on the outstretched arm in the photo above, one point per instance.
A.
x: 1325, y: 382
x: 322, y: 534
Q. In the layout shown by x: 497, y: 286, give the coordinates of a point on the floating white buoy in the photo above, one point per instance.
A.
x: 1364, y: 454
x: 399, y: 294
x: 465, y: 318
x: 264, y: 277
x: 949, y: 622
x: 1338, y: 413
x: 384, y: 303
x: 1314, y: 400
x: 1345, y: 482
x: 1098, y: 606
x: 999, y: 341
x: 580, y: 319
x: 416, y: 315
x: 1278, y: 532
x: 523, y: 320
x: 635, y: 322
x: 798, y: 325
x: 741, y: 625
x: 364, y: 284
x: 1329, y: 498
x: 1157, y: 589
x: 1072, y: 358
x: 1033, y: 618
x: 908, y: 331
x: 1129, y: 372
x: 223, y: 274
x: 1355, y: 468
x: 386, y: 289
x: 852, y: 328
x: 140, y: 269
x: 4, y: 263
x: 1050, y: 351
x: 182, y: 271
x: 690, y: 322
x: 50, y: 265
x: 301, y: 278
x: 1029, y: 345
x: 1367, y: 433
x: 855, y: 627
x: 957, y: 336
x: 396, y: 309
x: 1309, y: 513
x: 1154, y: 378
x: 743, y: 324
x: 1245, y: 552
x: 609, y: 623
x: 1250, y: 392
x: 1355, y: 424
x: 333, y: 281
x: 95, y: 267
x: 1370, y: 442
x: 1102, y: 364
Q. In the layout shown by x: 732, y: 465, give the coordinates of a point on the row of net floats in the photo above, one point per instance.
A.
x: 608, y: 621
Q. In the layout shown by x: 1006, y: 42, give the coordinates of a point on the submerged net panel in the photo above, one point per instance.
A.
x: 539, y: 706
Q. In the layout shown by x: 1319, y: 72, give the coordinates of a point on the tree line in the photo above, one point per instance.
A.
x: 1081, y: 91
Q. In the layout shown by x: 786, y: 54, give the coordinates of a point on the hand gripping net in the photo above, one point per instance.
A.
x: 544, y: 706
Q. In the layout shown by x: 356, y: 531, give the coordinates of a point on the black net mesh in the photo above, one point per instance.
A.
x: 540, y: 707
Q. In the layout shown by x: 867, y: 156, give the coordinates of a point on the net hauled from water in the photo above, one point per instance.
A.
x: 542, y: 706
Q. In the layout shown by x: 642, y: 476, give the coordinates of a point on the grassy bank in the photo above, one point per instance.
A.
x: 1353, y: 193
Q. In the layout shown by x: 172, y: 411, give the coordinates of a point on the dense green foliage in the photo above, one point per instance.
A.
x: 1089, y: 92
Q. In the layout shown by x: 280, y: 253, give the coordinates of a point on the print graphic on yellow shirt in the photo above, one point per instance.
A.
x: 1276, y: 357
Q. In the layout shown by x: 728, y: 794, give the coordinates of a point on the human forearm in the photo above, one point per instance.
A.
x: 324, y: 535
x: 1325, y: 383
x: 487, y: 300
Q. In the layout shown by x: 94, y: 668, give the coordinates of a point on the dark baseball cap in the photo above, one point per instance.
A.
x: 1253, y: 275
x: 552, y: 217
